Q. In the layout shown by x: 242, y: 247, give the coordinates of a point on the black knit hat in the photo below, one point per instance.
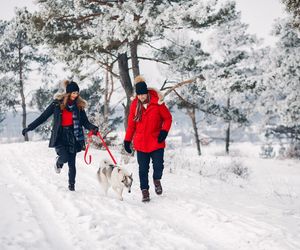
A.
x: 141, y: 88
x: 72, y: 87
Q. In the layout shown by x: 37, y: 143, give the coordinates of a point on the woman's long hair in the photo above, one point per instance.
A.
x: 139, y: 109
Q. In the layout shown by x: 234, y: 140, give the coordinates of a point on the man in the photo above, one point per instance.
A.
x: 149, y: 122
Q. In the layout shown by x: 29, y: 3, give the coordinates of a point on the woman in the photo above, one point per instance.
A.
x: 149, y: 122
x: 67, y: 135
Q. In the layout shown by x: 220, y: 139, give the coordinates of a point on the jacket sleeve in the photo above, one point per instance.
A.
x: 131, y: 124
x: 85, y: 122
x: 166, y: 116
x: 43, y: 117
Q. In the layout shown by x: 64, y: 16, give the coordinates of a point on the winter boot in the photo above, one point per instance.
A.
x: 146, y: 195
x: 57, y: 166
x: 158, y: 187
x: 71, y: 187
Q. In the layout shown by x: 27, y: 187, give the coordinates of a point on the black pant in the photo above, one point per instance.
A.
x: 157, y: 157
x: 65, y: 156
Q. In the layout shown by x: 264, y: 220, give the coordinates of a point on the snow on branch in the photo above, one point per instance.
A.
x: 189, y: 81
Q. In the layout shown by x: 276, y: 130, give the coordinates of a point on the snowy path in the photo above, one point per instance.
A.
x: 38, y: 212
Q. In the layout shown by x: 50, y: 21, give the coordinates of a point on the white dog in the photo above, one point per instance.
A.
x: 110, y: 175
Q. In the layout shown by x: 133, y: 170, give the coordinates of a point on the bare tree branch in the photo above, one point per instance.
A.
x: 189, y: 104
x: 104, y: 65
x: 170, y: 89
x: 151, y: 46
x: 153, y: 59
x: 108, y: 3
x: 165, y: 82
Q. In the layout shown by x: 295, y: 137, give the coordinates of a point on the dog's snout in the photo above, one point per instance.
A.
x: 129, y: 191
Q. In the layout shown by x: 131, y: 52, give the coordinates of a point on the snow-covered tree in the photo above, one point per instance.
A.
x: 92, y: 29
x: 18, y: 53
x: 293, y: 6
x: 100, y: 110
x: 232, y: 79
x: 187, y: 59
x: 41, y: 98
x: 282, y: 95
x: 7, y: 96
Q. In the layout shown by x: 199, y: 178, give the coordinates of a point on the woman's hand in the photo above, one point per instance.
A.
x: 162, y: 136
x: 25, y: 131
x: 95, y: 130
x: 127, y: 147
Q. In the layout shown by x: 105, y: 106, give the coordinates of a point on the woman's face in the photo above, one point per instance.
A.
x: 142, y: 98
x: 74, y: 95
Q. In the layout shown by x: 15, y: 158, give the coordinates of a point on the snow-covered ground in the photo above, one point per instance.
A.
x: 209, y: 202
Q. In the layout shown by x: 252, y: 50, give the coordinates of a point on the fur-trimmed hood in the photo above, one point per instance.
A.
x: 59, y: 95
x: 155, y: 94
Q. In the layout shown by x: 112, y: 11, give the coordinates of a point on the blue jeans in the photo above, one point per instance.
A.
x: 143, y: 159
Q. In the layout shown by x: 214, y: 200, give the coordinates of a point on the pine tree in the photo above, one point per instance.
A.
x: 41, y: 98
x: 293, y: 6
x: 282, y: 93
x: 91, y: 29
x: 18, y: 53
x: 7, y: 96
x: 100, y: 112
x: 187, y: 58
x: 232, y: 76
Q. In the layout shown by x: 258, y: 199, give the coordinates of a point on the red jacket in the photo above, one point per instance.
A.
x: 145, y: 132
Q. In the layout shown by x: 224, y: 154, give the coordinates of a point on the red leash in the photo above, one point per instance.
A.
x: 87, y: 148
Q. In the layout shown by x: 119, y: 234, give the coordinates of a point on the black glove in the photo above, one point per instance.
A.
x: 162, y: 136
x: 24, y: 131
x: 127, y: 147
x: 95, y: 130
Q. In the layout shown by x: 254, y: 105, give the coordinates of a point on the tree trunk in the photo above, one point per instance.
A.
x: 134, y: 58
x: 23, y: 101
x: 228, y: 130
x: 227, y: 138
x: 126, y: 83
x: 192, y: 115
x: 106, y: 103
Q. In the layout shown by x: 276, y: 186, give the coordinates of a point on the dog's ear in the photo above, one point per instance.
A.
x: 130, y: 175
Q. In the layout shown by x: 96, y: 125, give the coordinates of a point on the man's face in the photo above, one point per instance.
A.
x: 142, y: 98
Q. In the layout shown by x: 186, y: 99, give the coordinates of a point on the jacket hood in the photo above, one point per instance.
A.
x: 59, y: 95
x: 155, y: 94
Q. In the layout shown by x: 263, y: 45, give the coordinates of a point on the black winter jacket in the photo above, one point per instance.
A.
x: 54, y: 108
